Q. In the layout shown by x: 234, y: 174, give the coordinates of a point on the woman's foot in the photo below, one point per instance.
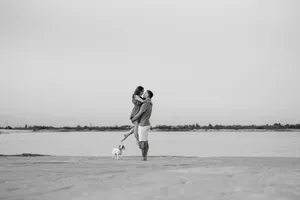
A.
x: 125, y: 136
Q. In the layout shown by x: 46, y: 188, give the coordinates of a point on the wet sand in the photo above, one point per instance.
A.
x: 62, y: 178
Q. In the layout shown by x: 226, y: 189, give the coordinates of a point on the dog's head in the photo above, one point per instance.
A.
x: 121, y: 147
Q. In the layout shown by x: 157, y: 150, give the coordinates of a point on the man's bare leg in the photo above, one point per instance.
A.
x: 146, y: 150
x: 144, y: 146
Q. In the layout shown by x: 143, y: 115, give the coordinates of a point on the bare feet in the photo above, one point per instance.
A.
x: 125, y: 136
x: 144, y: 159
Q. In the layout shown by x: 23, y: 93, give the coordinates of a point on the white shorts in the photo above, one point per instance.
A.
x: 143, y: 133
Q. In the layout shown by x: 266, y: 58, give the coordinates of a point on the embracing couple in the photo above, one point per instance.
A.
x: 140, y: 117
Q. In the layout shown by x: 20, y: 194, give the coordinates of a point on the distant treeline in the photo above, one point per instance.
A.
x: 69, y: 128
x: 276, y: 126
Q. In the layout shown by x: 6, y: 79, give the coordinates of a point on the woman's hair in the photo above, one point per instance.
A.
x: 138, y: 90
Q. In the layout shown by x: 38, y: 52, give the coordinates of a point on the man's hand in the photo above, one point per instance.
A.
x: 133, y: 121
x: 143, y: 108
x: 146, y: 101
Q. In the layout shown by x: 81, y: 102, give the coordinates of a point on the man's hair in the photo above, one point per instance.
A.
x: 150, y: 94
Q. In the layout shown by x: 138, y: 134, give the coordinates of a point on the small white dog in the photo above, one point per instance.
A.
x: 116, y: 152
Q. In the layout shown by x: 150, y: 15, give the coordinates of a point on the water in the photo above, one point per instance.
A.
x: 201, y: 144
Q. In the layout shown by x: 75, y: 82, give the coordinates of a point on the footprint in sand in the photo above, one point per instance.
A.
x: 62, y: 188
x: 238, y: 189
x: 184, y: 180
x: 164, y: 190
x: 12, y: 189
x: 181, y: 191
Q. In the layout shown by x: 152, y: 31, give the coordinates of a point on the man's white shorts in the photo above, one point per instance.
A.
x: 143, y: 133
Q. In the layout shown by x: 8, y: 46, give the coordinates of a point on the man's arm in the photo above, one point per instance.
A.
x: 138, y: 98
x: 143, y: 108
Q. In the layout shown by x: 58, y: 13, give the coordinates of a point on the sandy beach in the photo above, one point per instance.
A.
x: 61, y: 178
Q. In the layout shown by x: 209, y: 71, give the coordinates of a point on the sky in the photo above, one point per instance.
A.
x: 71, y: 62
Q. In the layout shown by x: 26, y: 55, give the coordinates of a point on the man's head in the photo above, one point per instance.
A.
x: 148, y: 94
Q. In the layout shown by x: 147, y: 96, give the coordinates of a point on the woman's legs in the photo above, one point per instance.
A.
x: 127, y: 134
x: 136, y: 133
x: 133, y: 130
x: 130, y: 132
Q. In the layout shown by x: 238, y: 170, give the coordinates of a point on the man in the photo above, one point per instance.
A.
x: 143, y: 117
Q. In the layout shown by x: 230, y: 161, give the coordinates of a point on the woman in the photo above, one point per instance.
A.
x: 137, y: 100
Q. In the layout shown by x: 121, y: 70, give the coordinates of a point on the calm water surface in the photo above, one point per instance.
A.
x: 201, y: 144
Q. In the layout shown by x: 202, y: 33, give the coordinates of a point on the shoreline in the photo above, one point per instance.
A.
x: 4, y: 131
x: 32, y: 155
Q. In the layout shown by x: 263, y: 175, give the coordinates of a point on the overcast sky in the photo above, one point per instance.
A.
x: 69, y: 62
